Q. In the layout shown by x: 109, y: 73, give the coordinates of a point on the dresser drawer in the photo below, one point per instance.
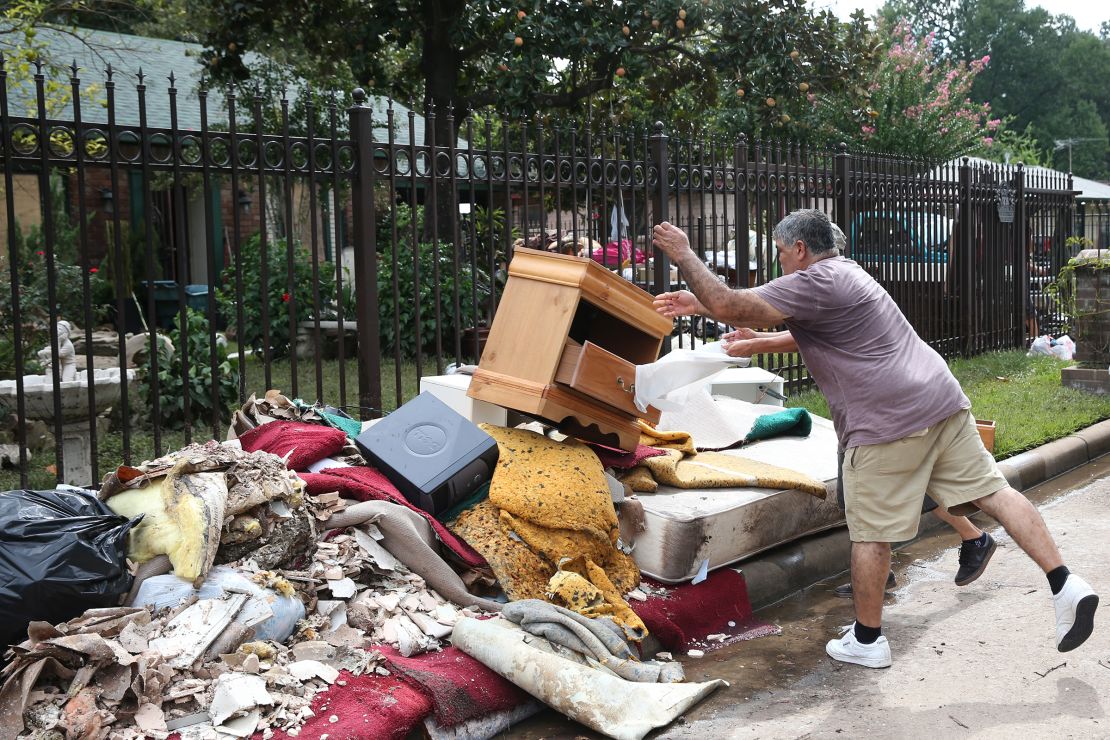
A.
x: 600, y: 374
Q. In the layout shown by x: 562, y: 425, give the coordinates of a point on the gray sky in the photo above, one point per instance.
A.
x: 1088, y: 14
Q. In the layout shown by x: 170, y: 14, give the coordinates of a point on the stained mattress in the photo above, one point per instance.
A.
x: 691, y: 530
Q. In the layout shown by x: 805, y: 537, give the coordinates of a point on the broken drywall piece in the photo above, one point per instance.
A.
x: 235, y: 693
x: 303, y: 670
x: 190, y: 633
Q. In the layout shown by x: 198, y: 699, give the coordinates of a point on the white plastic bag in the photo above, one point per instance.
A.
x: 273, y: 616
x: 1063, y: 347
x: 659, y: 384
x: 1042, y: 345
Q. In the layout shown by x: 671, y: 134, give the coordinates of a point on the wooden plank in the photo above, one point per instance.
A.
x: 529, y: 330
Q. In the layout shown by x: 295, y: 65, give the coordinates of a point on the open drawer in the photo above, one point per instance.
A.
x: 602, y: 375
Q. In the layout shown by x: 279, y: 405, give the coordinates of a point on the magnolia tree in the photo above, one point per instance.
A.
x: 913, y: 104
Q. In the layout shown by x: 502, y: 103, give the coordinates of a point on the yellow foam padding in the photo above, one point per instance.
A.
x: 182, y: 518
x: 521, y: 573
x: 653, y: 437
x: 716, y: 470
x: 582, y: 586
x: 548, y: 502
x: 557, y: 485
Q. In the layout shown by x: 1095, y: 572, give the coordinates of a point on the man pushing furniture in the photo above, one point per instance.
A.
x: 903, y: 421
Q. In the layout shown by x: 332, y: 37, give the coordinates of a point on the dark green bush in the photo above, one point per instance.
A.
x: 172, y: 387
x: 277, y: 295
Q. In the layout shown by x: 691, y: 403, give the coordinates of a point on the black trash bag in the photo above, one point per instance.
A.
x: 61, y: 552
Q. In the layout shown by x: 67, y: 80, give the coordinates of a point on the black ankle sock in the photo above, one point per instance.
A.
x: 1057, y: 577
x: 866, y: 635
x: 980, y: 541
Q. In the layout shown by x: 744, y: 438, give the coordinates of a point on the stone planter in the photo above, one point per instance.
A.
x: 1091, y: 324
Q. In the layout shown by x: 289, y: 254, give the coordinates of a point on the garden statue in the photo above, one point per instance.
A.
x: 67, y: 356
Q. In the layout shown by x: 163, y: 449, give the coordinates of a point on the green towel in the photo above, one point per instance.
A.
x: 352, y: 427
x: 788, y: 423
x: 476, y: 498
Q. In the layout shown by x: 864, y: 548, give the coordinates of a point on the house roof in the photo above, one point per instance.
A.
x: 94, y: 50
x: 1085, y: 189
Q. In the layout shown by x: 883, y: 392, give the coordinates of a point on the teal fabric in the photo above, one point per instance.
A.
x: 787, y: 423
x: 479, y: 496
x: 351, y: 427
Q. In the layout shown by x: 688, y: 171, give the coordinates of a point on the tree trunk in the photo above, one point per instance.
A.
x: 440, y: 62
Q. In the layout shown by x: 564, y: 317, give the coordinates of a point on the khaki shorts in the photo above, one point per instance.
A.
x: 884, y: 483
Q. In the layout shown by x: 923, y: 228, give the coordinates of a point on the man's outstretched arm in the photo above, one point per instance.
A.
x: 735, y: 307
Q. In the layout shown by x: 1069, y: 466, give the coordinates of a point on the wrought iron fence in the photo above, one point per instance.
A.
x: 337, y: 254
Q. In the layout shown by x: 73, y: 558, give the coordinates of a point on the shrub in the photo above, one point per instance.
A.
x: 278, y: 296
x: 172, y: 388
x: 449, y: 279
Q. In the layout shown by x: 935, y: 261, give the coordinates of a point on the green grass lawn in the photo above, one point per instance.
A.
x: 1021, y: 394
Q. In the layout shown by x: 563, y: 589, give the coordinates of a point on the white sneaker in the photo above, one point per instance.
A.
x: 1075, y: 613
x: 849, y: 650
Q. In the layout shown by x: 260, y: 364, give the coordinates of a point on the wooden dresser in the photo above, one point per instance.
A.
x: 564, y: 346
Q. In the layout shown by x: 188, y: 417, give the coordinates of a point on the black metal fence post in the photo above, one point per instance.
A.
x: 1022, y: 256
x: 660, y: 206
x: 364, y: 240
x: 842, y: 189
x: 743, y: 244
x: 965, y: 260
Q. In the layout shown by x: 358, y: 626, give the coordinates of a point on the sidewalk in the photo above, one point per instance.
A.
x: 978, y: 661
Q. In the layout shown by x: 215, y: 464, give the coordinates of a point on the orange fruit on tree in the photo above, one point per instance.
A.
x: 626, y: 31
x: 518, y: 41
x: 771, y: 102
x: 680, y: 24
x: 740, y: 92
x: 520, y: 15
x: 795, y: 54
x: 682, y: 13
x: 803, y: 86
x: 785, y: 118
x: 620, y: 72
x: 655, y: 23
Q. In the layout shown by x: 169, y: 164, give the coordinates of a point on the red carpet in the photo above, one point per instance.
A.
x: 612, y: 458
x: 688, y: 614
x: 370, y: 706
x: 459, y: 687
x: 304, y: 443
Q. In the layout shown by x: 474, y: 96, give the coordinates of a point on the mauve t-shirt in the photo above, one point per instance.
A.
x: 881, y: 381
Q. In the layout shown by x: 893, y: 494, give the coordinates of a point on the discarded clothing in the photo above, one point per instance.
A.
x: 299, y: 444
x: 548, y: 501
x: 682, y: 617
x: 786, y: 423
x: 600, y: 640
x: 621, y: 709
x: 366, y: 484
x: 684, y: 467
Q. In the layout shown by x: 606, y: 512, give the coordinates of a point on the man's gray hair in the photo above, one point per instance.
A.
x: 840, y: 242
x: 806, y: 225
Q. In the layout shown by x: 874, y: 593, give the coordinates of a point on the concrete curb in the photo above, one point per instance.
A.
x: 773, y: 575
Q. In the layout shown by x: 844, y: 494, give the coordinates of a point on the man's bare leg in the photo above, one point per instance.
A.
x: 1023, y: 522
x: 870, y: 566
x: 963, y: 526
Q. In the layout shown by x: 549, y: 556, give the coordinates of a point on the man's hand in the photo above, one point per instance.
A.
x: 679, y: 303
x: 740, y: 343
x: 671, y: 239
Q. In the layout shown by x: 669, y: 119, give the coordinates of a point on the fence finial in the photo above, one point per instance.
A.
x: 172, y: 79
x: 842, y: 147
x: 359, y: 96
x: 658, y: 128
x: 73, y: 68
x: 3, y: 61
x: 141, y: 76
